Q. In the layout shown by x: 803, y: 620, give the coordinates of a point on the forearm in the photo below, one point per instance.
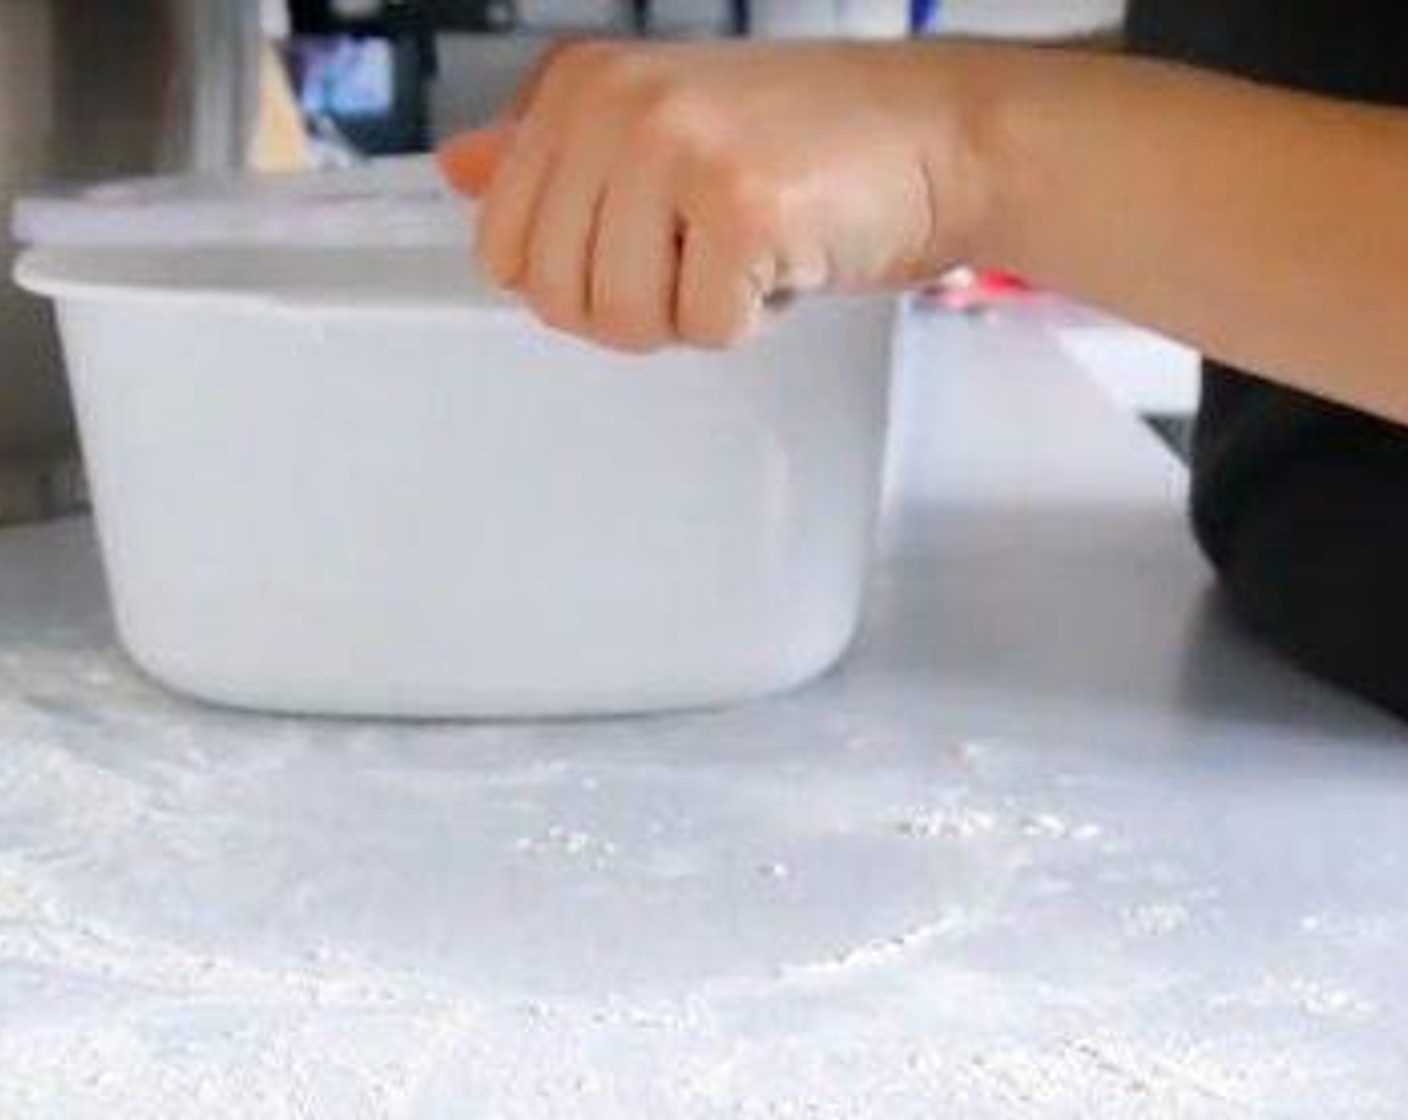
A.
x: 1267, y: 228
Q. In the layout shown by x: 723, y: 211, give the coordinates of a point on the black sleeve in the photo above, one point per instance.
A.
x: 1302, y: 507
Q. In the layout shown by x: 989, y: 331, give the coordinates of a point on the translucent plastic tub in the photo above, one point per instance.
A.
x: 334, y: 473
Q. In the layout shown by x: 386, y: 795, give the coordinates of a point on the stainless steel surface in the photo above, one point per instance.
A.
x: 90, y: 90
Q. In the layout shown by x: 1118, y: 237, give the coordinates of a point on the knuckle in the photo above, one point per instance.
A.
x: 565, y: 65
x: 579, y: 54
x: 630, y: 341
x: 566, y: 324
x: 706, y: 330
x: 556, y: 306
x: 620, y: 72
x: 705, y: 335
x: 495, y: 261
x: 628, y: 325
x: 669, y: 116
x: 749, y: 202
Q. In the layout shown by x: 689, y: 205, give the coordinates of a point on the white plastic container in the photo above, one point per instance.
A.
x: 334, y: 473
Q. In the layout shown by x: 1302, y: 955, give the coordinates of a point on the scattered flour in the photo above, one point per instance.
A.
x: 278, y: 1039
x: 972, y: 751
x: 1321, y: 999
x: 1057, y: 828
x: 875, y: 954
x: 959, y: 823
x: 565, y: 841
x: 1356, y: 930
x: 1156, y: 919
x: 135, y: 1023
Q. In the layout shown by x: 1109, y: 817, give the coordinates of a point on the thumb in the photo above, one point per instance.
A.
x: 468, y: 161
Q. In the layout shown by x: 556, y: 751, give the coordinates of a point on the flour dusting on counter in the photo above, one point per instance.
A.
x: 261, y: 917
x: 1053, y: 846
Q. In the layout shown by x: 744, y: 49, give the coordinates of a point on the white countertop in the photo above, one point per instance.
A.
x: 1053, y: 842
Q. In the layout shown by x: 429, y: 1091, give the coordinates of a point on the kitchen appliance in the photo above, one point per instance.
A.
x: 334, y: 472
x: 90, y: 90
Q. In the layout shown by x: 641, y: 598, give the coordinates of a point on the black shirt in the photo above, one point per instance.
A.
x: 1300, y: 504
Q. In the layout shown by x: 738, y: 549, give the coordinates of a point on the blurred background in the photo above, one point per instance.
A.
x: 90, y: 91
x: 391, y: 75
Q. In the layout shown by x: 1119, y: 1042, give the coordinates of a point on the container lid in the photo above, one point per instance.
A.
x: 389, y: 203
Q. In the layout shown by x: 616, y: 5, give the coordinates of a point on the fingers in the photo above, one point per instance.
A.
x: 546, y: 112
x: 556, y: 281
x: 507, y: 215
x: 469, y: 161
x: 609, y: 208
x: 720, y: 297
x: 636, y: 260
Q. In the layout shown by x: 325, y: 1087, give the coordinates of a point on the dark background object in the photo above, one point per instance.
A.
x: 400, y: 17
x: 408, y: 28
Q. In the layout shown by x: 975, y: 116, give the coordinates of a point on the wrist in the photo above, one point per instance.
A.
x: 966, y: 142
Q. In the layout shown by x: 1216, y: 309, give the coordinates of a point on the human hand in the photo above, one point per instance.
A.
x: 641, y: 195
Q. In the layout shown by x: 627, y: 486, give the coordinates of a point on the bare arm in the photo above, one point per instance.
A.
x: 645, y: 195
x: 1268, y: 228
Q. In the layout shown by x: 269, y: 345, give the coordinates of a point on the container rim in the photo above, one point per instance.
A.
x: 107, y: 274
